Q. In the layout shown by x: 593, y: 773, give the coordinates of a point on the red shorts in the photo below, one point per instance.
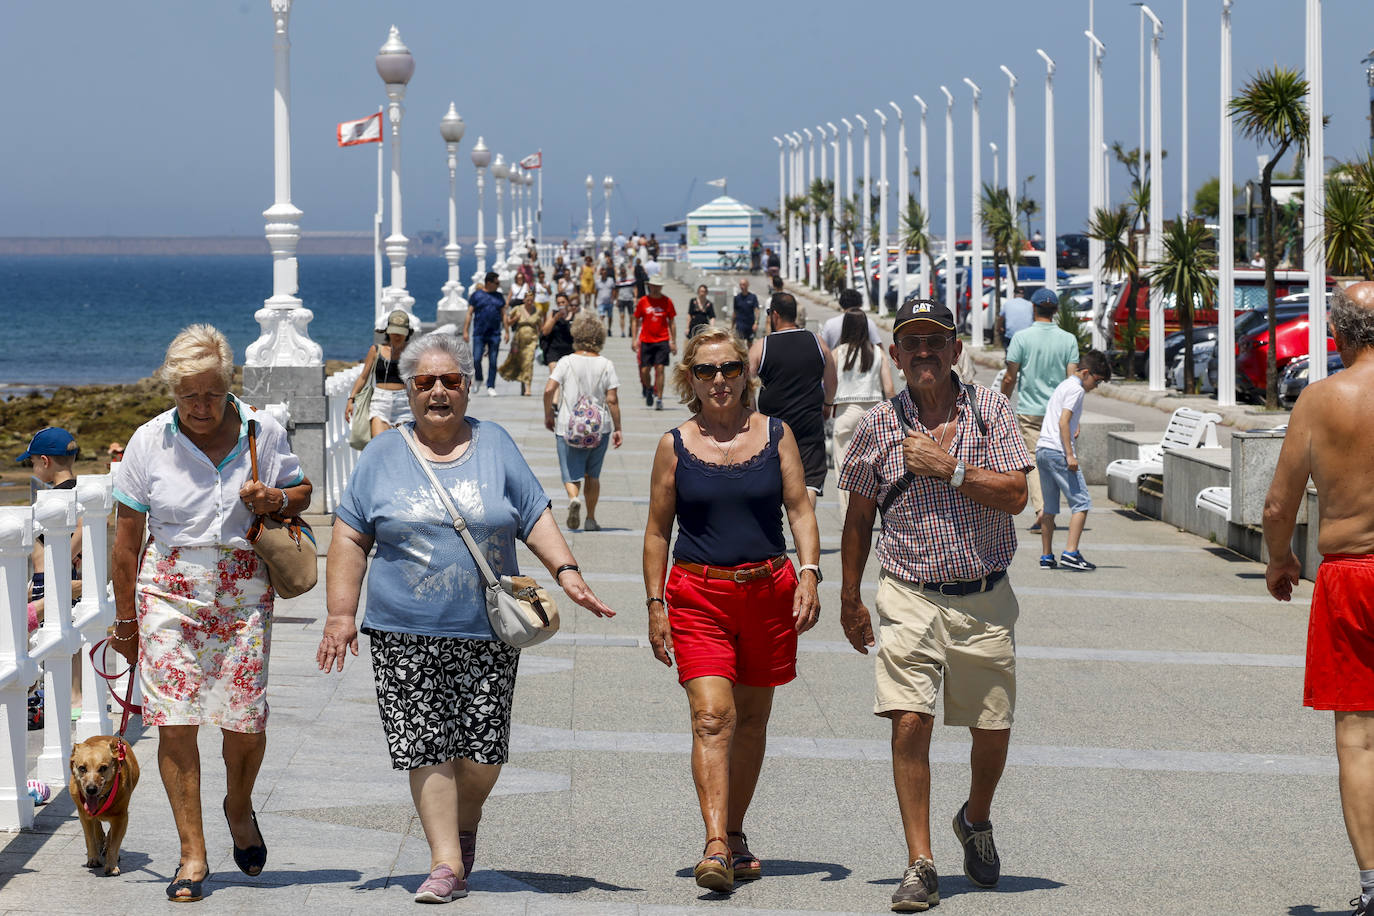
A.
x: 1340, y: 635
x: 742, y: 631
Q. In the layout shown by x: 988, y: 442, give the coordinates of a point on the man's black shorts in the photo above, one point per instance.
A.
x: 654, y: 354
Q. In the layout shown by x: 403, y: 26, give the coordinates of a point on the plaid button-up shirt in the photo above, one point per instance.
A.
x: 933, y: 532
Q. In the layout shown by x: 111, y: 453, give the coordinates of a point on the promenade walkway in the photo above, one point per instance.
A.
x: 1161, y: 761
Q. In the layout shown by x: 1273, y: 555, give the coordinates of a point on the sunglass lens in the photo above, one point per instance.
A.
x: 732, y: 369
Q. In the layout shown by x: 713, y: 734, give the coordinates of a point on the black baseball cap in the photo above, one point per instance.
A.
x: 916, y: 309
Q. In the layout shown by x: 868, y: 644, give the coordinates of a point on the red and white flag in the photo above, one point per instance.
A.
x: 366, y: 130
x: 533, y: 161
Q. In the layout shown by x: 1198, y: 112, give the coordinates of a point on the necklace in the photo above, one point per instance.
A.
x: 729, y: 446
x: 949, y: 428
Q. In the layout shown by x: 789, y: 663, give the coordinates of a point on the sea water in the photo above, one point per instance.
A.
x: 75, y: 320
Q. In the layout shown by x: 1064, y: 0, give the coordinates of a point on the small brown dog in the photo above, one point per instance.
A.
x: 104, y: 773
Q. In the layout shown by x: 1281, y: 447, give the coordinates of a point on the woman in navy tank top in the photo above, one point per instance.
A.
x: 731, y: 607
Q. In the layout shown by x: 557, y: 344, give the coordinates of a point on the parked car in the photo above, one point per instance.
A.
x: 1072, y: 250
x: 1294, y: 378
x: 1252, y: 355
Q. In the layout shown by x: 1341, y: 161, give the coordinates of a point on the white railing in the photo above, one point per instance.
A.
x: 339, y: 457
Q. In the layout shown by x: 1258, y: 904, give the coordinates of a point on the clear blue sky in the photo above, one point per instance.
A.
x: 155, y: 117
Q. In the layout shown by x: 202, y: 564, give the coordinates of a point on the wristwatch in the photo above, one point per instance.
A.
x: 956, y: 480
x: 816, y: 570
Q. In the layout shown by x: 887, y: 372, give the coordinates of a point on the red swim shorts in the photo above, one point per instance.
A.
x: 1340, y: 635
x: 742, y: 631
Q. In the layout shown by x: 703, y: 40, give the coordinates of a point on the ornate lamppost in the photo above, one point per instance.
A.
x: 500, y: 171
x: 609, y: 184
x: 451, y: 128
x: 396, y: 66
x: 590, y: 237
x: 481, y: 158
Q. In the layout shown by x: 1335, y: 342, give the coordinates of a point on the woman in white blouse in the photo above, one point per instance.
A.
x: 864, y: 380
x: 193, y: 607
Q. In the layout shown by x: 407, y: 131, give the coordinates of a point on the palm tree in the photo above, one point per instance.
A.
x: 848, y: 223
x: 1185, y: 272
x: 1001, y: 226
x: 916, y: 230
x: 1272, y: 109
x: 1113, y: 229
x: 1349, y: 218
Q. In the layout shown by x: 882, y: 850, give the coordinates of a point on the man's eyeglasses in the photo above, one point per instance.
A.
x: 705, y: 372
x: 453, y: 381
x: 932, y: 342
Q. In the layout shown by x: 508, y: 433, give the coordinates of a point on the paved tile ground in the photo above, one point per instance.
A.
x: 1161, y: 762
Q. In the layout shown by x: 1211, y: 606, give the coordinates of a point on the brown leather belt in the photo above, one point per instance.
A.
x: 735, y: 573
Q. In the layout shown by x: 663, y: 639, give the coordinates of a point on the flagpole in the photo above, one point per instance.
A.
x: 377, y: 237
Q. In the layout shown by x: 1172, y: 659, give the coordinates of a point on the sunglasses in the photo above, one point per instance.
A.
x: 705, y: 372
x: 453, y: 381
x: 933, y: 342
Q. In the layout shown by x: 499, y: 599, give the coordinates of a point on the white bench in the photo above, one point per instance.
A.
x: 1216, y: 500
x: 1188, y: 428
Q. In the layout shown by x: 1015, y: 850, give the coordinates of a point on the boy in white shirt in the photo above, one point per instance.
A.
x: 1057, y: 461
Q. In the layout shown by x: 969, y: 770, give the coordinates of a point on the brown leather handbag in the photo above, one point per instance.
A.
x: 285, y: 543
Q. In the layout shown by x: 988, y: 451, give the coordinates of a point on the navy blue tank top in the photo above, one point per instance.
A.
x: 728, y: 515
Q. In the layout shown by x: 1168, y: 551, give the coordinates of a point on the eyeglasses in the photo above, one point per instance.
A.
x: 453, y: 381
x: 932, y: 342
x: 705, y: 372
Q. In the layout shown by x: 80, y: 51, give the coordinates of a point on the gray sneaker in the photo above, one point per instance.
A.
x: 981, y: 863
x: 919, y: 890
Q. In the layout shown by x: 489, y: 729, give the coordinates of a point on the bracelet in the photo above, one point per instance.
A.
x: 649, y: 601
x: 129, y: 638
x: 282, y: 491
x: 119, y: 620
x: 564, y: 568
x: 350, y: 397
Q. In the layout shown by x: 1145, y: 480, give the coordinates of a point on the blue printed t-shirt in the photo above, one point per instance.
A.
x: 423, y: 579
x: 1043, y: 351
x: 486, y: 313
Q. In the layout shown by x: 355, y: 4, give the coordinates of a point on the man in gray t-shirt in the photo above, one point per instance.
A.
x: 1038, y: 359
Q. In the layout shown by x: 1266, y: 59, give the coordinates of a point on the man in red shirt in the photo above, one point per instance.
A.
x: 654, y: 337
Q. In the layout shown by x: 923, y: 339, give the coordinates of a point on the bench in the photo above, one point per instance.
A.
x: 1216, y: 500
x: 1188, y: 428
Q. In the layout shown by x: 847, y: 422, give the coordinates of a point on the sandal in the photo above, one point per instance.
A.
x: 714, y: 872
x: 251, y: 859
x: 196, y: 888
x: 746, y: 865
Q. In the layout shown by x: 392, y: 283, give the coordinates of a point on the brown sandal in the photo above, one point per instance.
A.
x: 714, y: 872
x: 745, y: 865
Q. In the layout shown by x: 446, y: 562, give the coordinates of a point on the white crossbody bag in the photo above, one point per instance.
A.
x: 521, y: 612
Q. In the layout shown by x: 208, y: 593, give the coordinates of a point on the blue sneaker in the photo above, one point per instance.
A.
x: 1047, y: 561
x: 1074, y: 560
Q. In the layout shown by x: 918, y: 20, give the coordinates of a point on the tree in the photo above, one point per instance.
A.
x: 1138, y: 168
x: 848, y: 223
x: 1001, y: 226
x: 1113, y: 229
x: 1272, y: 109
x: 916, y: 229
x: 1349, y: 218
x: 1185, y: 272
x: 1207, y: 200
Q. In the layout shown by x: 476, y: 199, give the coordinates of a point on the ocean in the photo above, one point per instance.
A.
x: 82, y: 320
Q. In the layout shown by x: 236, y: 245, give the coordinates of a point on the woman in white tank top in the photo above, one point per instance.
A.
x: 864, y: 380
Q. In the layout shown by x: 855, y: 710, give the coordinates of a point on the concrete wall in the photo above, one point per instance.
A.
x: 1186, y: 472
x: 1094, y: 432
x: 1254, y: 456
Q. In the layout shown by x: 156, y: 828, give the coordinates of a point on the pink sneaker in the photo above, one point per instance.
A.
x: 442, y: 886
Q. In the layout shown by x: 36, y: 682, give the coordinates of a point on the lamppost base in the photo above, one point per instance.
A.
x: 452, y: 307
x: 285, y: 340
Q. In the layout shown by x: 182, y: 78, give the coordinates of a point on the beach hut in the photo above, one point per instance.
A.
x: 722, y: 226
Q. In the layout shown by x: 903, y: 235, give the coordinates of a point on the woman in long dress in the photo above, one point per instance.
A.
x: 523, y: 321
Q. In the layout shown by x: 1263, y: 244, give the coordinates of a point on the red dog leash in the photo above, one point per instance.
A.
x: 114, y: 786
x: 126, y: 702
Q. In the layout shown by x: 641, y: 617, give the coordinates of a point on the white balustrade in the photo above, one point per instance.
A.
x: 94, y: 613
x: 340, y: 457
x: 56, y: 517
x: 17, y: 669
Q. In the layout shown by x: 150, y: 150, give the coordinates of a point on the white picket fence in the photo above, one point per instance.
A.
x: 339, y: 457
x: 67, y: 627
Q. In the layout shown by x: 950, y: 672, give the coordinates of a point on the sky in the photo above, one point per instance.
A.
x: 155, y: 117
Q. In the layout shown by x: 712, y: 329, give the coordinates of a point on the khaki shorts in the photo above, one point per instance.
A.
x: 968, y: 642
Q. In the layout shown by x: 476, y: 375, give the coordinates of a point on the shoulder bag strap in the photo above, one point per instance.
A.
x: 253, y: 448
x: 459, y: 524
x: 907, y: 479
x: 972, y: 392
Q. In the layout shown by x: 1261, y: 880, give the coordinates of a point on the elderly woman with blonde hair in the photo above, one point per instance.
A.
x: 581, y: 387
x: 193, y: 604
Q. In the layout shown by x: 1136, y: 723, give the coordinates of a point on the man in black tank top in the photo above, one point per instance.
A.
x: 798, y: 375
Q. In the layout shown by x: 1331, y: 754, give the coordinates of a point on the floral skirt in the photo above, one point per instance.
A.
x: 204, y: 627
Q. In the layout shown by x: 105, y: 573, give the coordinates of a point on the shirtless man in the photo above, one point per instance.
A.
x: 1330, y: 438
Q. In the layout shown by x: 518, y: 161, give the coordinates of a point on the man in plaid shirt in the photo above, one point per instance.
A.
x: 948, y: 473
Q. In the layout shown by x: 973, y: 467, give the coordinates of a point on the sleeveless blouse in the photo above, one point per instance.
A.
x: 729, y: 514
x: 855, y: 386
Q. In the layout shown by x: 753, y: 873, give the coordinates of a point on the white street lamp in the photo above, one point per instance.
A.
x: 396, y: 66
x: 1051, y: 240
x: 1011, y: 138
x: 1226, y: 242
x: 824, y: 237
x: 499, y: 172
x: 975, y: 294
x: 1183, y: 83
x: 835, y: 194
x: 608, y: 184
x: 481, y: 158
x: 996, y: 164
x: 590, y: 236
x: 951, y: 280
x: 513, y: 176
x: 849, y: 191
x: 1097, y: 198
x: 1155, y: 244
x: 782, y: 202
x: 285, y: 340
x: 882, y: 211
x: 924, y: 277
x: 1314, y: 235
x: 903, y: 192
x: 868, y: 219
x: 451, y: 128
x: 813, y: 259
x: 795, y: 223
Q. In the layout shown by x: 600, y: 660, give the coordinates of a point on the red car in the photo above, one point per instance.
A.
x: 1252, y: 353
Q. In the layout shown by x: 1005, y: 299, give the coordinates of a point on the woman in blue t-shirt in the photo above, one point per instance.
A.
x: 444, y: 681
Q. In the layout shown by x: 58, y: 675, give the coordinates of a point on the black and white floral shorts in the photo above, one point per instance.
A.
x: 443, y: 697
